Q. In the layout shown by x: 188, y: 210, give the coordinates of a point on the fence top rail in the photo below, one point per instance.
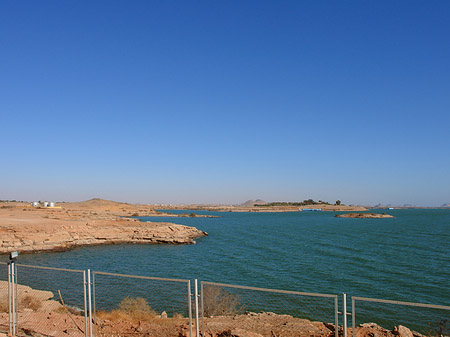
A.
x: 141, y: 277
x: 50, y: 268
x: 423, y: 305
x: 4, y: 263
x: 269, y: 290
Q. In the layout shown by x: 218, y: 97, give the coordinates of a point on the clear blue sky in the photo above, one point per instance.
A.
x: 224, y: 101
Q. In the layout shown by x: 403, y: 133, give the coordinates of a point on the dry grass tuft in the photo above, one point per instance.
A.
x: 130, y: 309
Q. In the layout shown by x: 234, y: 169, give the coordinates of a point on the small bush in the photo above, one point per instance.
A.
x: 135, y: 214
x: 192, y: 215
x: 133, y: 305
x: 219, y: 302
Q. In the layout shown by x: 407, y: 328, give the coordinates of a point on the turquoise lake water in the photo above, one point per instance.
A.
x: 406, y: 258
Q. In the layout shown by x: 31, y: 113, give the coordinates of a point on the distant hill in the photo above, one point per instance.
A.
x: 251, y: 203
x: 98, y: 203
x: 446, y: 205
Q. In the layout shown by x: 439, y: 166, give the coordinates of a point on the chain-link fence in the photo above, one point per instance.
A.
x: 50, y: 301
x: 139, y: 305
x: 267, y: 305
x: 428, y: 319
x: 43, y: 301
x: 4, y: 298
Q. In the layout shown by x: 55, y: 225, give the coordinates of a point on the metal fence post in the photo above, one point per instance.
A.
x: 12, y: 297
x: 16, y: 297
x: 190, y: 307
x: 202, y: 308
x: 336, y: 316
x: 10, y: 319
x: 94, y: 331
x: 197, y: 330
x: 353, y: 318
x: 89, y: 301
x: 85, y: 305
x: 344, y: 314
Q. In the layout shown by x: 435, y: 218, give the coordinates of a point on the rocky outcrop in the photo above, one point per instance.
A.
x: 364, y: 215
x: 402, y: 331
x: 29, y: 299
x: 263, y: 324
x: 57, y: 238
x: 30, y: 230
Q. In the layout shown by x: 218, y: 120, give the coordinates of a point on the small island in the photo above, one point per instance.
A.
x: 364, y: 215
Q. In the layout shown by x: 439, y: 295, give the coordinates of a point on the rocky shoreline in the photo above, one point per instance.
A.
x: 268, y: 209
x: 28, y: 229
x: 56, y: 320
x: 364, y: 215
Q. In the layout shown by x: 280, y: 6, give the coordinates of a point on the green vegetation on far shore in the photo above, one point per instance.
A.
x: 297, y: 203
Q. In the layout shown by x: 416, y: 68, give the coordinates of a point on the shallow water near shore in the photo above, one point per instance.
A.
x: 406, y: 258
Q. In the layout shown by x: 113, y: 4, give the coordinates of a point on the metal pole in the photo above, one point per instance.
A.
x: 336, y: 317
x: 196, y: 307
x: 85, y: 305
x: 344, y: 314
x: 93, y: 304
x: 202, y: 308
x: 14, y: 299
x: 10, y: 299
x: 89, y: 302
x: 17, y: 298
x: 353, y: 318
x: 190, y: 307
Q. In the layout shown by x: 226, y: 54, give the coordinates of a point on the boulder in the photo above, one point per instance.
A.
x: 402, y: 331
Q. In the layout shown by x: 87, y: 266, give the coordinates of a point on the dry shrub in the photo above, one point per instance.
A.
x: 69, y: 310
x: 219, y: 302
x: 30, y: 302
x: 130, y: 309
